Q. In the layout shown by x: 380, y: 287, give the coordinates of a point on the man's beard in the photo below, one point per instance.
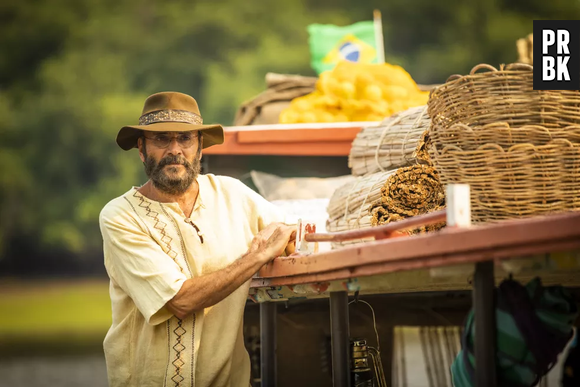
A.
x: 163, y: 182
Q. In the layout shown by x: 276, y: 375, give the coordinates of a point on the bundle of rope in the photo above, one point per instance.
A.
x: 348, y: 208
x: 534, y: 324
x: 389, y: 145
x: 396, y: 179
x: 410, y: 191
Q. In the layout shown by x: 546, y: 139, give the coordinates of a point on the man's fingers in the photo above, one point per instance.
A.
x: 274, y: 238
x: 283, y: 232
x: 269, y: 229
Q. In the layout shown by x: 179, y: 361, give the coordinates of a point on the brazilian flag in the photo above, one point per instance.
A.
x: 330, y: 44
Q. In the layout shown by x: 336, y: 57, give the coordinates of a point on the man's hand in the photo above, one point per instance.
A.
x: 207, y: 290
x: 272, y: 241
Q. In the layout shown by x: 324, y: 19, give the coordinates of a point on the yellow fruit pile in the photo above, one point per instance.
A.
x: 356, y: 92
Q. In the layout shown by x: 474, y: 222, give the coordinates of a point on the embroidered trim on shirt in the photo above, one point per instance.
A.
x: 180, y: 331
x: 178, y: 363
x: 168, y: 352
x: 182, y: 243
x: 159, y: 225
x: 178, y: 355
x: 177, y: 336
x: 192, y: 350
x: 179, y: 348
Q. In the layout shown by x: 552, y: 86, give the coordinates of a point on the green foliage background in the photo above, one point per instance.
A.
x: 72, y: 72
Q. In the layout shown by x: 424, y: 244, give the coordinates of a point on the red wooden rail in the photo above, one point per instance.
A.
x: 379, y: 232
x: 334, y: 139
x: 450, y: 246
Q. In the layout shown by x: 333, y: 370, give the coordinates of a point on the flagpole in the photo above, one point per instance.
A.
x: 378, y: 23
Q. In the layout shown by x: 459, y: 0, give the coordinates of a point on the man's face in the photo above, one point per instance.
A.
x: 172, y: 159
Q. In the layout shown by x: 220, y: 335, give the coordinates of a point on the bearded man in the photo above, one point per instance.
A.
x: 180, y: 251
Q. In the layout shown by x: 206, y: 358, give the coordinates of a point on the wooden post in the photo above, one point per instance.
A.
x: 459, y: 215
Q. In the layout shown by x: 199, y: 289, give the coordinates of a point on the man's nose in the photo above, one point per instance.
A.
x: 174, y: 148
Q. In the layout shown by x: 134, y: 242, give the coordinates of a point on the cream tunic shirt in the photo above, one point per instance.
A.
x: 150, y: 249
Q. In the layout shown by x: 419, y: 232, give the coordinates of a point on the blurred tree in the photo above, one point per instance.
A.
x: 72, y: 72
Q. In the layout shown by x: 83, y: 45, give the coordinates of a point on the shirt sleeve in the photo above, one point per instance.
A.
x: 139, y: 266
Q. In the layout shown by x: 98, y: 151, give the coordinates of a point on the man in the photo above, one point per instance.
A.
x: 180, y: 251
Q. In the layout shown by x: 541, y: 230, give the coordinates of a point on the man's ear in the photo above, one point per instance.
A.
x: 141, y: 146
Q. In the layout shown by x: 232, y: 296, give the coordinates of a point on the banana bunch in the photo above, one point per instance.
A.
x: 356, y: 92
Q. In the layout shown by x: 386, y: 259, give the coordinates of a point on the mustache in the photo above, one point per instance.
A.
x: 163, y: 181
x: 173, y: 159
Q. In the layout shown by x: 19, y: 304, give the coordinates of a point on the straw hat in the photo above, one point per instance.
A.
x: 170, y: 112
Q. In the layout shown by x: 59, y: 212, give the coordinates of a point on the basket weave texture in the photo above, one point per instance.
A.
x: 504, y: 95
x: 518, y: 148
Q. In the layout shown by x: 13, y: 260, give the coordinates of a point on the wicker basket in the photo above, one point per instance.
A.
x: 390, y: 145
x: 509, y: 181
x: 504, y: 95
x: 502, y: 134
x: 517, y: 148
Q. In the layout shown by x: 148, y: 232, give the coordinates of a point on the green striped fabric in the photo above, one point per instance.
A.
x: 514, y: 361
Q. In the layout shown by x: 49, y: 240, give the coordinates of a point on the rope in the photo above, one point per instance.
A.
x: 382, y: 137
x: 379, y: 176
x: 357, y: 182
x: 415, y: 125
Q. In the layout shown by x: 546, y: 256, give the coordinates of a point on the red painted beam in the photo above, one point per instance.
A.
x: 419, y: 263
x: 379, y: 232
x: 333, y: 139
x: 447, y: 247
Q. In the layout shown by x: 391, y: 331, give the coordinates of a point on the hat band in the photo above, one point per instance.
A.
x: 171, y: 116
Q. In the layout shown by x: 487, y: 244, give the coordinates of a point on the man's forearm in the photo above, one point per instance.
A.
x: 209, y: 289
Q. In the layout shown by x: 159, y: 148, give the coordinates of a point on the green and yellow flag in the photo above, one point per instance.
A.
x: 330, y: 44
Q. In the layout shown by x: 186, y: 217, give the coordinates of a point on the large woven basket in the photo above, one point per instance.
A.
x: 503, y: 135
x: 488, y: 95
x: 510, y: 179
x: 517, y: 148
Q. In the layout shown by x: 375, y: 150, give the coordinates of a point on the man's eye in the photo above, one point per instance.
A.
x: 185, y: 137
x: 162, y: 138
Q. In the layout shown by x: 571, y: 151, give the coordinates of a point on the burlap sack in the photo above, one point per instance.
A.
x: 265, y: 108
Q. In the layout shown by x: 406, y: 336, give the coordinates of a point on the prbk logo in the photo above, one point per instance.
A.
x: 557, y: 55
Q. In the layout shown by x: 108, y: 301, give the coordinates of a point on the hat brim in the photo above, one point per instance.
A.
x: 128, y: 135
